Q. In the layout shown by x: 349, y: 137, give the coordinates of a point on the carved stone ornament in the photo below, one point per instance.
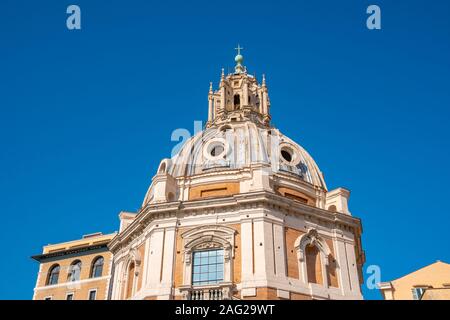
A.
x: 311, y: 238
x: 208, y: 245
x: 135, y: 256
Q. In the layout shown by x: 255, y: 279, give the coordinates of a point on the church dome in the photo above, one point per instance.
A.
x: 241, y: 145
x: 239, y: 151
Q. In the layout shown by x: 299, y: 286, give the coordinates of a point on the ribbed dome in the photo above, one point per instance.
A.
x: 239, y: 145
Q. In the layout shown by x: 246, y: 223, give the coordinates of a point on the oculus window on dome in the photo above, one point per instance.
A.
x: 217, y: 150
x: 286, y: 155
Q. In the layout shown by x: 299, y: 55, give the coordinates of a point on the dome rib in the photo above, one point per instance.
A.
x: 248, y: 144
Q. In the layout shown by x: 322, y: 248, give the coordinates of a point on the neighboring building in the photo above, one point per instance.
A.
x: 429, y: 283
x: 240, y: 212
x: 75, y: 270
x: 437, y: 293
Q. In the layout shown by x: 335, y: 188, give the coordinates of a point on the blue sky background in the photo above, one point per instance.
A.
x: 87, y: 115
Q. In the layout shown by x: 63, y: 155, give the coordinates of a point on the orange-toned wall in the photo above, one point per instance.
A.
x: 214, y: 190
x: 299, y: 296
x: 294, y: 193
x: 436, y: 275
x: 271, y: 294
x: 178, y: 276
x: 237, y: 254
x: 291, y: 255
x: 313, y: 265
x: 130, y: 280
x: 264, y: 294
x: 81, y: 291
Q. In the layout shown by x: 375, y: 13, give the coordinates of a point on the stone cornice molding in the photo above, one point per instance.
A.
x: 76, y: 251
x: 238, y: 175
x: 243, y: 201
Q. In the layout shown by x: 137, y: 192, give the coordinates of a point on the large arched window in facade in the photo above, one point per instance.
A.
x: 97, y: 267
x: 53, y: 275
x: 207, y: 267
x: 208, y: 253
x: 74, y: 271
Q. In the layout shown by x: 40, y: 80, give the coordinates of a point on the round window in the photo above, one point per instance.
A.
x: 217, y: 150
x: 286, y: 155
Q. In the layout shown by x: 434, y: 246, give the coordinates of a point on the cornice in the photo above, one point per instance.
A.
x: 41, y: 257
x: 243, y: 201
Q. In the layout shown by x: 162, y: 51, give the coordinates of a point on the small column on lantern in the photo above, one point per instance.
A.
x: 210, y: 103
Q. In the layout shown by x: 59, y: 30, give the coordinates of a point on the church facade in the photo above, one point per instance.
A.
x: 240, y: 212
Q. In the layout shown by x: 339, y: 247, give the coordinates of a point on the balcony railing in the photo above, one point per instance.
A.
x: 221, y: 291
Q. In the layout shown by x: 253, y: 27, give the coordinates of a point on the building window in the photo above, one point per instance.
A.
x: 92, y: 294
x: 288, y: 155
x: 418, y: 292
x: 48, y: 298
x: 97, y: 267
x: 237, y: 101
x: 74, y: 271
x: 207, y: 267
x: 217, y: 150
x: 69, y: 296
x: 53, y: 275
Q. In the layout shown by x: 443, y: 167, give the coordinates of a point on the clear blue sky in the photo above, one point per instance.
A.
x: 87, y: 115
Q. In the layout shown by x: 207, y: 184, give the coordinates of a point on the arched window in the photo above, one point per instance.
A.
x: 162, y: 168
x: 313, y: 264
x: 237, y: 101
x: 130, y: 280
x: 97, y: 267
x: 208, y: 254
x: 53, y: 275
x: 74, y: 271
